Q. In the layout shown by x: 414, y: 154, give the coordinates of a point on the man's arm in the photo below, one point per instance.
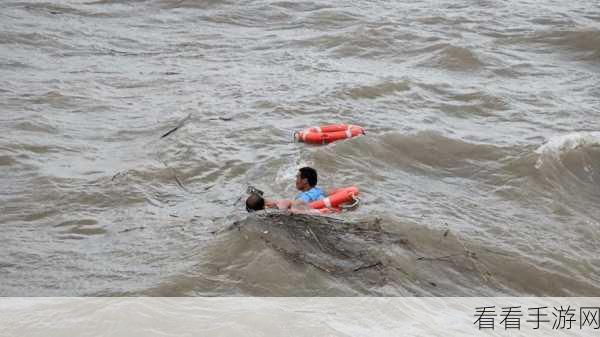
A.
x: 280, y: 204
x: 321, y: 211
x: 270, y: 203
x: 286, y: 204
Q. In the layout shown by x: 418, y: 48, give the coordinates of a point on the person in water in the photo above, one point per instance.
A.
x: 306, y: 183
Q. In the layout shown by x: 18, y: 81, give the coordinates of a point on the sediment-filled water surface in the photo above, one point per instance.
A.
x: 479, y: 171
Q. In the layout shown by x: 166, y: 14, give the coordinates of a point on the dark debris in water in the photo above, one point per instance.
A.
x: 179, y: 125
x: 222, y: 118
x: 332, y: 245
x: 118, y: 175
x: 368, y: 255
x: 132, y: 229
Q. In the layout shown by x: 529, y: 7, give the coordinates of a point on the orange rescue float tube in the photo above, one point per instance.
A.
x: 336, y: 199
x: 326, y: 134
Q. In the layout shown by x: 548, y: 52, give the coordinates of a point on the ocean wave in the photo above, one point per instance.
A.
x: 37, y: 126
x: 585, y: 41
x: 6, y: 160
x: 271, y: 254
x: 202, y: 4
x: 52, y: 9
x: 454, y: 58
x: 571, y: 162
x: 332, y: 19
x: 32, y: 39
x: 560, y: 145
x: 304, y: 6
x: 424, y: 150
x: 376, y: 90
x: 362, y: 41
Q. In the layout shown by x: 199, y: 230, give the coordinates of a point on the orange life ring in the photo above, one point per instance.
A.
x: 326, y: 134
x: 336, y: 198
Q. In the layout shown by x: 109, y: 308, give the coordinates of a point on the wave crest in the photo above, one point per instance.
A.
x: 569, y: 142
x: 454, y: 58
x: 572, y: 155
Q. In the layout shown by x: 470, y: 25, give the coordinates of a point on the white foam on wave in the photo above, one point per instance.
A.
x: 287, y: 173
x: 564, y: 143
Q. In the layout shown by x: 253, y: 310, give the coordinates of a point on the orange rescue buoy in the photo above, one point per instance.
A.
x: 336, y: 199
x: 326, y: 134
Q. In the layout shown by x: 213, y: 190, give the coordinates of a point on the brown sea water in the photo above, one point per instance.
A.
x: 479, y: 172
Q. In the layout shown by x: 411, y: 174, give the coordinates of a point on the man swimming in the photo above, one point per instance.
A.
x: 306, y: 181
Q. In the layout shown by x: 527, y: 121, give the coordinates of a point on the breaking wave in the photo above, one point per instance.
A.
x: 278, y: 254
x: 570, y: 166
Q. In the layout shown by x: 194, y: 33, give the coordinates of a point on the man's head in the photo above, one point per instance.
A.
x: 255, y: 203
x: 306, y: 178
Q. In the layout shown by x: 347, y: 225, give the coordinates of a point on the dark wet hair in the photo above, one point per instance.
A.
x: 309, y: 174
x: 255, y: 203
